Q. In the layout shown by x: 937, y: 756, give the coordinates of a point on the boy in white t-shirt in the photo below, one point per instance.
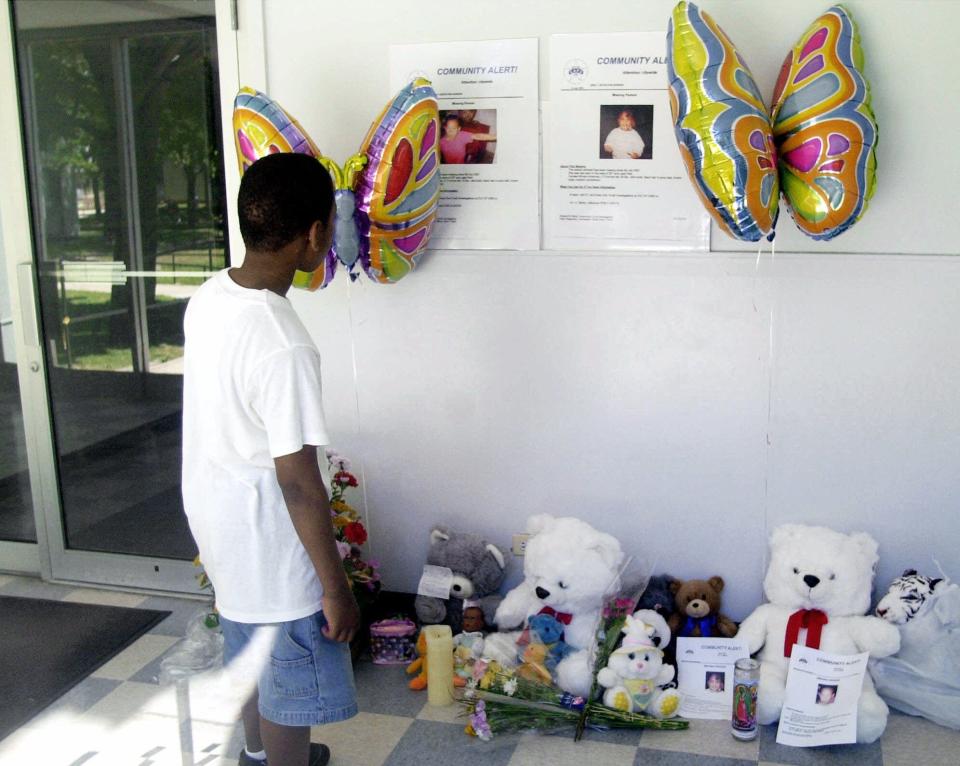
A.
x: 252, y: 485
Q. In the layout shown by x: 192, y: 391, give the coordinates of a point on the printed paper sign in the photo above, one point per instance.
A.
x: 705, y: 675
x: 488, y: 92
x: 823, y: 691
x: 614, y: 178
x: 435, y: 581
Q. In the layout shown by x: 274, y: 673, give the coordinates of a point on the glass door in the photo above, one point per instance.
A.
x: 122, y: 136
x: 18, y: 531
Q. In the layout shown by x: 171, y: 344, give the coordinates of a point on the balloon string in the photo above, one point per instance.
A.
x: 356, y: 401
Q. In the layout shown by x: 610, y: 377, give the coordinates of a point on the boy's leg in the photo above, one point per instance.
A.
x: 285, y: 745
x: 308, y: 681
x: 236, y: 637
x: 250, y: 715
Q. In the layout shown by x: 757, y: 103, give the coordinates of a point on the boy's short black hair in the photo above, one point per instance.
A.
x: 281, y: 195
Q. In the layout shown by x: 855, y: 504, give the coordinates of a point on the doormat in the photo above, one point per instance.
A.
x: 47, y: 647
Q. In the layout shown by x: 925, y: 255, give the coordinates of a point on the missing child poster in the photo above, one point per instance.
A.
x: 822, y: 694
x: 705, y: 675
x: 488, y: 93
x: 614, y: 178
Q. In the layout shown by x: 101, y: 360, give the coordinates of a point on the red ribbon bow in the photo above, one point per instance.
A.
x: 811, y: 619
x: 564, y: 617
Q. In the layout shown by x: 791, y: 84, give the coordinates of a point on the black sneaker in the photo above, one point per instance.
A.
x: 319, y: 756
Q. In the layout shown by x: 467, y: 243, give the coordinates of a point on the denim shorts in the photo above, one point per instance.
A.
x: 309, y: 678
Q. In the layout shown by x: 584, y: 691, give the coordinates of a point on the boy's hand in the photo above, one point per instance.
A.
x: 342, y: 615
x: 299, y: 477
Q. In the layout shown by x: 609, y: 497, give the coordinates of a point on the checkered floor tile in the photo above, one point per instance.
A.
x: 122, y: 716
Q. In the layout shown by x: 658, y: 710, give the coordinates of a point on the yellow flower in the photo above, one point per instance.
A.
x: 490, y: 677
x: 341, y: 521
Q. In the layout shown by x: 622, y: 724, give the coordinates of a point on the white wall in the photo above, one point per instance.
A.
x: 686, y: 403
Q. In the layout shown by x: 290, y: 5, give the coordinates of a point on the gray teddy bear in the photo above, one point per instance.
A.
x: 478, y: 571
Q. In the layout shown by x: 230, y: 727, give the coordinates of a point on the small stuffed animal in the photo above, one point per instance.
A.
x: 818, y: 586
x: 540, y: 648
x: 467, y: 648
x: 569, y: 568
x: 907, y: 596
x: 548, y: 630
x: 658, y: 595
x: 635, y: 675
x: 533, y: 663
x: 478, y: 571
x: 697, y: 611
x: 419, y: 665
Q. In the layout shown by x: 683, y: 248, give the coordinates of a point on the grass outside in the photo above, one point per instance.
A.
x: 115, y: 359
x: 89, y: 345
x: 188, y: 260
x: 180, y: 248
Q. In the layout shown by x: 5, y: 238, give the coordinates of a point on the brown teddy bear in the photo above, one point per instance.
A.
x: 697, y: 611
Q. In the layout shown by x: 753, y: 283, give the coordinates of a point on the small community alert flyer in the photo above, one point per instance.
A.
x: 705, y: 675
x: 488, y: 93
x: 821, y: 698
x: 614, y: 179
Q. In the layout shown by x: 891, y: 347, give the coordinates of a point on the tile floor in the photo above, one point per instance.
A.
x: 121, y: 716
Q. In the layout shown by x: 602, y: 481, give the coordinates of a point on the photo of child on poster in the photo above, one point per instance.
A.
x: 468, y: 136
x: 626, y: 132
x: 715, y: 681
x: 826, y: 694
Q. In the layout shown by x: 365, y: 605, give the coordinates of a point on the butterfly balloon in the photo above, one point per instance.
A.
x: 386, y: 194
x: 817, y: 145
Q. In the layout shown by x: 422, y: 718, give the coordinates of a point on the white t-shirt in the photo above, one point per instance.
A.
x: 251, y: 392
x: 623, y: 142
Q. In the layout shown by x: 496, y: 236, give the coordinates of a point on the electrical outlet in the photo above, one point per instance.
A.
x: 520, y: 543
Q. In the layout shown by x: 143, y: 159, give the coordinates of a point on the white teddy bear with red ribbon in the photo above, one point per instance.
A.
x: 818, y: 586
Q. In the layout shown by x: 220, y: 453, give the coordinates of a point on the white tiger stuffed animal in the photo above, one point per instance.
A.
x: 908, y: 596
x: 923, y: 678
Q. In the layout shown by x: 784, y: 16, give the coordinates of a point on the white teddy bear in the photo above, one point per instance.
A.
x: 818, y: 584
x: 569, y: 568
x: 635, y: 673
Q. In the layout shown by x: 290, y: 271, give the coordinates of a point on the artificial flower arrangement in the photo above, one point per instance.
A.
x: 499, y: 700
x: 364, y: 575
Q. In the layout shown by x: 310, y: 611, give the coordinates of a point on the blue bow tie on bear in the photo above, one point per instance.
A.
x: 706, y: 625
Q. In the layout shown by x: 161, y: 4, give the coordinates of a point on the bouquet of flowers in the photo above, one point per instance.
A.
x: 363, y: 574
x: 498, y: 700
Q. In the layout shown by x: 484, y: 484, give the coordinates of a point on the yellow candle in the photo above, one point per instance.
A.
x: 439, y: 664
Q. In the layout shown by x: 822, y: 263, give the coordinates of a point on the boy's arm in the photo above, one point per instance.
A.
x: 306, y: 498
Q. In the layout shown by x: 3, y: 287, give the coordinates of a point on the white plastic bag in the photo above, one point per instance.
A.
x: 201, y: 650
